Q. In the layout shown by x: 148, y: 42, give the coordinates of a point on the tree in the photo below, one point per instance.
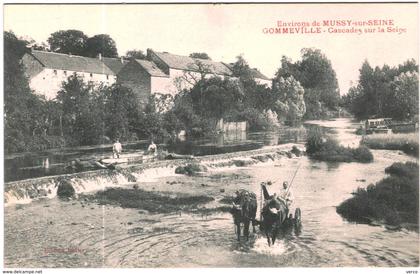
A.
x: 316, y: 75
x: 384, y: 92
x: 103, y: 44
x: 405, y: 96
x: 241, y: 69
x: 200, y: 55
x: 68, y: 41
x: 290, y: 102
x: 23, y: 110
x: 136, y: 54
x: 79, y: 118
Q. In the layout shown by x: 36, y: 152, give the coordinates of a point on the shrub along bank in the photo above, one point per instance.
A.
x: 393, y: 200
x: 319, y: 146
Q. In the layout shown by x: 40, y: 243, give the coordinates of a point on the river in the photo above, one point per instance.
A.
x: 54, y: 233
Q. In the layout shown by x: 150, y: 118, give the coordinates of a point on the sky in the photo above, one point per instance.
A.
x: 225, y: 31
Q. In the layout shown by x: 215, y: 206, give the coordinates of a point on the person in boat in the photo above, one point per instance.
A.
x: 117, y: 149
x: 152, y: 149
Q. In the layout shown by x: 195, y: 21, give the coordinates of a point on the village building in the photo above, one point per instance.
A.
x: 46, y: 71
x: 161, y: 73
x: 166, y: 73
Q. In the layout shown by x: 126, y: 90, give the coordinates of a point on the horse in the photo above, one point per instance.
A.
x: 244, y: 210
x: 274, y: 214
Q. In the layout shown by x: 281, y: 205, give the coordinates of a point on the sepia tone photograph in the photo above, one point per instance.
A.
x: 209, y: 135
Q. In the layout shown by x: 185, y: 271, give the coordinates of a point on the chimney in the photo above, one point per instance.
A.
x: 149, y: 53
x: 122, y: 59
x: 100, y: 56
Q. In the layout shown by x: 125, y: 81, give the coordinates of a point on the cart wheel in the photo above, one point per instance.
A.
x: 298, y: 217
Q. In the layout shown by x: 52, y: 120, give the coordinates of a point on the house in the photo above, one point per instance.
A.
x: 168, y: 73
x: 115, y: 64
x: 145, y: 78
x: 46, y: 71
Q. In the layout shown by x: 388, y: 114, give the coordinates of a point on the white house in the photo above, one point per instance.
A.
x: 46, y: 71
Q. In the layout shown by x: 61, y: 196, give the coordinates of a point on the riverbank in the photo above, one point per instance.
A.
x: 25, y: 191
x: 406, y: 142
x: 393, y: 201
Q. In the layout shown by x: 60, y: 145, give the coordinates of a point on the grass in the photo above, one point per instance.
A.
x: 393, y: 200
x: 319, y: 146
x: 407, y: 142
x: 147, y: 200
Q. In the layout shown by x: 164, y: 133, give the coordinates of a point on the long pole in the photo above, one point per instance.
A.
x: 291, y: 182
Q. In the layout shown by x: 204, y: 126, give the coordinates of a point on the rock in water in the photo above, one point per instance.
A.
x: 65, y: 190
x: 190, y: 169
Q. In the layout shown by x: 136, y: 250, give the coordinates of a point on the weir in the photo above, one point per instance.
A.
x: 25, y: 191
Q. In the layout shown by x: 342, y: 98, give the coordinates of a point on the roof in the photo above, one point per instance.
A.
x: 187, y: 63
x: 114, y: 64
x: 151, y: 68
x: 254, y: 71
x: 71, y: 62
x: 257, y: 74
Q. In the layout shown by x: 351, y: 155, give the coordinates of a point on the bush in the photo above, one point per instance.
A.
x: 321, y: 147
x: 362, y: 154
x: 392, y: 200
x: 65, y: 190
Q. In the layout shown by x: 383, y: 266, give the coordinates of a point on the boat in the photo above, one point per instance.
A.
x: 138, y: 157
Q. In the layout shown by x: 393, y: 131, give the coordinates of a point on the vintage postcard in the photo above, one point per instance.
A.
x: 210, y: 135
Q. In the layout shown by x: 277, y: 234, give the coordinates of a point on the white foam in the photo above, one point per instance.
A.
x: 261, y: 246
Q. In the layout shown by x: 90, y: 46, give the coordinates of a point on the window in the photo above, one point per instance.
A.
x: 107, y: 77
x: 91, y: 75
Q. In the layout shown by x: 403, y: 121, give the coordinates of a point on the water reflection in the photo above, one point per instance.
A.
x: 32, y: 165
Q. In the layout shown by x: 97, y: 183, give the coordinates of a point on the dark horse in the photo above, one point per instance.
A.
x: 273, y: 216
x: 244, y: 210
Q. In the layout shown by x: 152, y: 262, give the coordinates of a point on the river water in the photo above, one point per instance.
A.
x: 53, y: 233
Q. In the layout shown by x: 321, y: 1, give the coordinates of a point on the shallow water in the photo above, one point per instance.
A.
x: 53, y: 233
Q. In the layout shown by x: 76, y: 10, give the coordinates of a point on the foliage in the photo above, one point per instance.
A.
x: 322, y: 147
x: 136, y: 54
x: 200, y: 55
x: 392, y: 200
x: 68, y: 41
x: 26, y: 116
x: 290, y: 102
x: 101, y: 43
x: 316, y: 75
x: 385, y: 92
x: 407, y: 142
x: 198, y: 109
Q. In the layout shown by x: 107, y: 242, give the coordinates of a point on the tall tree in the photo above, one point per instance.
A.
x: 103, y: 44
x: 404, y: 97
x: 385, y: 92
x: 23, y: 110
x: 68, y: 41
x: 290, y: 103
x: 316, y: 75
